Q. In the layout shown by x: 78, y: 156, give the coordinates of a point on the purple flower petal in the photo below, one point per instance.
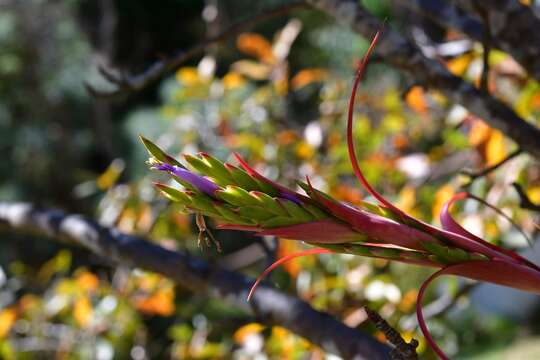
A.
x: 290, y: 196
x: 201, y: 183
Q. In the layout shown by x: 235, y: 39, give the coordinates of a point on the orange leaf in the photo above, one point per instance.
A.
x: 243, y: 332
x: 160, y: 303
x: 308, y: 76
x: 479, y: 133
x: 286, y: 247
x: 286, y: 137
x: 256, y: 46
x: 416, y: 99
x: 348, y: 193
x: 87, y: 281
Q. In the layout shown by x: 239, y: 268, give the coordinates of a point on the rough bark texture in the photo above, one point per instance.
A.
x: 269, y: 305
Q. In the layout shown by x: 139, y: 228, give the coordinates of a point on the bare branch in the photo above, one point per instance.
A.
x: 524, y: 201
x: 475, y: 175
x: 404, y: 55
x: 269, y: 305
x: 403, y: 350
x: 130, y: 83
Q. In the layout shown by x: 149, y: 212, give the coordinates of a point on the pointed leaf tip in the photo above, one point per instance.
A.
x: 156, y: 152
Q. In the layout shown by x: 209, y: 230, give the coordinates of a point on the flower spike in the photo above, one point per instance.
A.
x: 245, y: 200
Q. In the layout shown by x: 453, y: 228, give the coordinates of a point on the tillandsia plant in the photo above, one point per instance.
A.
x: 240, y: 198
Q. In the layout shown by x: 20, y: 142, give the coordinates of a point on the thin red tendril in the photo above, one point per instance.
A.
x: 350, y: 121
x: 420, y: 315
x: 282, y: 261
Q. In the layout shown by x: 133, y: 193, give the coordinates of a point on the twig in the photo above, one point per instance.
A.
x: 269, y: 305
x: 475, y: 175
x: 524, y: 201
x: 486, y: 43
x: 130, y: 83
x: 402, y: 350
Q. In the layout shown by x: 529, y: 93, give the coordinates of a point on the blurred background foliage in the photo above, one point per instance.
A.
x: 277, y: 94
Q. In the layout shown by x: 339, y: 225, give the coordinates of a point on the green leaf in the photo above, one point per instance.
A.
x: 296, y: 211
x: 269, y: 202
x: 236, y: 196
x: 241, y: 178
x: 278, y: 221
x: 217, y: 170
x: 255, y: 212
x: 157, y: 153
x: 173, y: 194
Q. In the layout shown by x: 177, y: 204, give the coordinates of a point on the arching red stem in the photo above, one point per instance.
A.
x: 282, y: 261
x: 420, y: 315
x: 350, y: 121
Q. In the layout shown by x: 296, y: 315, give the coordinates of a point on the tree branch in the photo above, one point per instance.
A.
x: 475, y: 175
x: 403, y: 350
x: 524, y: 201
x: 126, y: 84
x: 268, y: 305
x: 404, y: 55
x: 511, y: 25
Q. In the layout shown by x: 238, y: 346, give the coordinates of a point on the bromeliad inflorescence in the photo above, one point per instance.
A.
x: 240, y: 198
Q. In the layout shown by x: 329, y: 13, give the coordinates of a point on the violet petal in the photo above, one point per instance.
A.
x: 201, y: 183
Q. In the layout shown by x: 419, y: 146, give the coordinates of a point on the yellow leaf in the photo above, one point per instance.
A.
x: 407, y: 199
x: 256, y: 46
x: 7, y: 319
x: 281, y: 86
x: 304, y: 151
x: 495, y: 148
x: 459, y: 65
x: 233, y: 80
x: 188, y: 76
x: 252, y: 69
x: 441, y: 197
x: 82, y: 311
x: 534, y: 194
x: 111, y: 174
x: 392, y: 100
x: 308, y: 76
x: 243, y: 332
x: 393, y: 122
